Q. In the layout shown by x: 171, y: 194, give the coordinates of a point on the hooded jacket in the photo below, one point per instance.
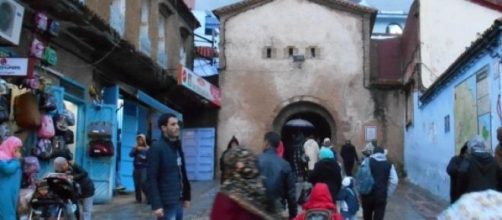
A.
x: 478, y: 172
x: 139, y: 156
x: 327, y: 171
x: 320, y: 198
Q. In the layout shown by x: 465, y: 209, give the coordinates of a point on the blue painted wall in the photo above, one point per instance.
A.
x: 428, y: 148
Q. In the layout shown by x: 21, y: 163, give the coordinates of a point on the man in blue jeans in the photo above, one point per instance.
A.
x: 168, y: 185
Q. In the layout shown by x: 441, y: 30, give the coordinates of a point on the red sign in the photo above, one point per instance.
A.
x: 199, y: 85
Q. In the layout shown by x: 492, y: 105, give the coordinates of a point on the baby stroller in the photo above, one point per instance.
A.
x: 55, y: 198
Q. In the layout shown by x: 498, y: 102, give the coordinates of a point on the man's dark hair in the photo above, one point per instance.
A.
x: 164, y: 118
x: 272, y: 138
x: 463, y: 150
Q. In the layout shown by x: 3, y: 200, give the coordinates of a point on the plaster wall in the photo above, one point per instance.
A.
x: 428, y: 146
x: 255, y: 89
x: 447, y: 27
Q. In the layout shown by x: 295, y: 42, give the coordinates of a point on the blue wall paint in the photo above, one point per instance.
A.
x: 428, y: 148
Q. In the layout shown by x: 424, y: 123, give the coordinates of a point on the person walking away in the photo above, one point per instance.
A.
x: 498, y: 149
x: 349, y: 204
x: 311, y: 149
x: 479, y: 171
x: 327, y: 171
x: 385, y: 182
x: 169, y: 188
x: 453, y: 171
x: 320, y: 205
x: 10, y: 177
x: 279, y: 179
x: 349, y: 156
x: 231, y: 144
x: 61, y: 165
x: 242, y: 195
x: 327, y: 144
x: 140, y: 164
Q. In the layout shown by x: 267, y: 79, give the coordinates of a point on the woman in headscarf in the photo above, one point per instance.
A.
x: 232, y: 143
x: 327, y: 171
x: 10, y: 177
x: 140, y: 164
x: 242, y: 195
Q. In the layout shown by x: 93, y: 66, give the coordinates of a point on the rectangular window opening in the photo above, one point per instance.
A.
x: 312, y: 52
x: 291, y: 51
x: 269, y: 52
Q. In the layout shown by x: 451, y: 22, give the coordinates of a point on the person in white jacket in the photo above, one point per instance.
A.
x: 311, y: 149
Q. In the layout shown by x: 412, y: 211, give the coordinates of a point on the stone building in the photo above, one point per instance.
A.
x: 303, y: 59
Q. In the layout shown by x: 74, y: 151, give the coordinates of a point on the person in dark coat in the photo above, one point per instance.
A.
x: 386, y: 180
x: 453, y: 170
x: 140, y: 164
x: 242, y: 195
x: 327, y: 170
x: 61, y: 165
x: 168, y: 186
x: 479, y: 171
x: 231, y: 144
x: 498, y: 149
x: 349, y: 156
x: 279, y: 178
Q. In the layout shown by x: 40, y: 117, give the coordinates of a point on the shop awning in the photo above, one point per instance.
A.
x: 206, y: 52
x: 152, y: 102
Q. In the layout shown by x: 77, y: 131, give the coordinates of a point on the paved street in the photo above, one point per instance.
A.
x: 409, y: 202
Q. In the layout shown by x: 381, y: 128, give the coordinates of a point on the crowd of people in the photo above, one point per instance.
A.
x: 264, y: 186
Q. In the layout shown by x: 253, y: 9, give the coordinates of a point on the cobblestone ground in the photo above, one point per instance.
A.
x: 409, y: 202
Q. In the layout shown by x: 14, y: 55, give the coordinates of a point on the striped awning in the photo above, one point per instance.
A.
x: 206, y: 52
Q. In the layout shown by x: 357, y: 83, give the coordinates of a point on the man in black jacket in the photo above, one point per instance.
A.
x: 453, y: 170
x: 386, y: 180
x: 280, y: 181
x: 349, y: 156
x: 479, y: 170
x: 168, y: 185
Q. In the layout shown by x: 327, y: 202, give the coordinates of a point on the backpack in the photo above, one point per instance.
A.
x: 318, y: 214
x: 31, y: 166
x: 364, y: 178
x: 26, y: 111
x: 46, y: 129
x: 43, y: 150
x: 101, y: 148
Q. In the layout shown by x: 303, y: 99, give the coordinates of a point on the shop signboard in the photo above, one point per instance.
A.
x: 199, y: 85
x: 13, y: 66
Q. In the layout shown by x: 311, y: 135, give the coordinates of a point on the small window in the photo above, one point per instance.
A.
x: 394, y: 29
x: 291, y: 51
x: 269, y: 52
x: 313, y: 52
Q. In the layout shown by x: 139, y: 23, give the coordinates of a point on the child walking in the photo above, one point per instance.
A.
x: 349, y: 204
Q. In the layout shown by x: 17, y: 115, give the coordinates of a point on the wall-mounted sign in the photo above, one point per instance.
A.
x: 370, y: 133
x: 13, y: 66
x: 199, y: 85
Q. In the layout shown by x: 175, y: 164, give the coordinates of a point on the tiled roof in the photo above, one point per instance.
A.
x: 341, y: 4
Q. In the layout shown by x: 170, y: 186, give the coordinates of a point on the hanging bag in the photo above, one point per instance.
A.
x: 43, y: 150
x: 100, y: 129
x: 101, y: 148
x: 48, y: 102
x: 4, y: 109
x: 46, y: 129
x: 61, y: 124
x: 26, y: 113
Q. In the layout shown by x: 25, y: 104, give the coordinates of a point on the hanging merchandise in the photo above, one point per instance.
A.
x: 54, y: 28
x: 100, y: 129
x: 32, y: 82
x: 59, y: 147
x: 50, y: 57
x: 37, y: 48
x: 61, y: 124
x: 48, y: 102
x: 70, y: 117
x: 46, y: 129
x: 43, y: 150
x: 4, y: 88
x: 69, y: 137
x: 26, y: 113
x: 41, y: 21
x: 4, y: 109
x: 101, y: 148
x: 4, y: 131
x: 31, y: 166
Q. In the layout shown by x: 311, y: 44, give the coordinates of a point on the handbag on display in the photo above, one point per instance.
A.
x: 69, y: 137
x: 37, y: 48
x: 101, y: 148
x: 50, y: 57
x: 43, y: 149
x: 54, y: 28
x: 70, y: 117
x: 41, y: 21
x: 60, y: 123
x: 4, y: 109
x: 46, y: 129
x: 100, y: 129
x: 26, y: 113
x: 48, y: 102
